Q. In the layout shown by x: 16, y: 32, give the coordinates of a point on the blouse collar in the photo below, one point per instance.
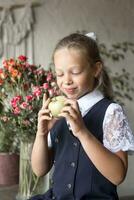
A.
x: 88, y: 100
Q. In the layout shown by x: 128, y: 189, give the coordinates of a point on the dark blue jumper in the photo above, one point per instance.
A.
x: 75, y: 177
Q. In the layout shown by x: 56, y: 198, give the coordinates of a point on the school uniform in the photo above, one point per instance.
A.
x: 75, y: 177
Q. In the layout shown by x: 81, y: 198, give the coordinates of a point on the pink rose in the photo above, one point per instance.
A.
x: 29, y: 98
x: 5, y: 64
x: 12, y: 62
x: 15, y: 100
x: 45, y: 86
x: 16, y: 111
x: 24, y: 105
x: 37, y: 91
x: 49, y: 77
x: 18, y: 98
x: 30, y: 107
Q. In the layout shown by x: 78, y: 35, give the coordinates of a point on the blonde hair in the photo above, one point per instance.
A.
x: 89, y: 47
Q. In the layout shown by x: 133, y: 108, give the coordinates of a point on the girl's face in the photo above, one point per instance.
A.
x: 75, y: 76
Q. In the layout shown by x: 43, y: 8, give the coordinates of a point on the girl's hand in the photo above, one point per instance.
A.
x: 73, y: 116
x: 45, y: 120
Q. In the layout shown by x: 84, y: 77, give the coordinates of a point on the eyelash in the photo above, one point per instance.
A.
x: 76, y: 73
x: 59, y: 75
x: 73, y: 73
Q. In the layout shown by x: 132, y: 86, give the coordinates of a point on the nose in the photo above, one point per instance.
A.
x: 68, y: 79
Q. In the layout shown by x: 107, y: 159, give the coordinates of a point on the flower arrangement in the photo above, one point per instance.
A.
x: 21, y: 90
x: 22, y: 86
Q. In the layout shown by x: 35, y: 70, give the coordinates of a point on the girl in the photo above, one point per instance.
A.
x: 88, y: 144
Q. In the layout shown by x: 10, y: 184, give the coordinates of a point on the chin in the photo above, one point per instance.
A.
x: 72, y: 95
x: 75, y: 97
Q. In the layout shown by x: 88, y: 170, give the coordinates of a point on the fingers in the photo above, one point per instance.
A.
x: 69, y: 110
x: 43, y: 111
x: 46, y: 101
x: 73, y: 104
x: 67, y: 116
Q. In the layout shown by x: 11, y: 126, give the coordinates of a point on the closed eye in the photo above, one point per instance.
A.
x: 59, y: 74
x: 76, y: 72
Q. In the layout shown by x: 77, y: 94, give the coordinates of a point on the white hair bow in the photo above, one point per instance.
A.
x: 91, y: 35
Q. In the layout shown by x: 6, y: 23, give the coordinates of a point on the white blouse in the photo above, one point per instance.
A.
x: 117, y: 134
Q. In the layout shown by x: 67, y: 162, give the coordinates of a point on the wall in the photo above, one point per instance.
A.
x: 112, y: 20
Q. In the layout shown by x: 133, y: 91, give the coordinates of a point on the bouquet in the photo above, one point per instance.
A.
x: 22, y: 86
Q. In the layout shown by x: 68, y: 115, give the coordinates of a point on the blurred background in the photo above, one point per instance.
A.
x: 45, y: 22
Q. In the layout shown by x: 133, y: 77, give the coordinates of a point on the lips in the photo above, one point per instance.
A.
x: 70, y: 90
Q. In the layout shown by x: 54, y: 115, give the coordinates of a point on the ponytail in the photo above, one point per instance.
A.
x: 105, y: 84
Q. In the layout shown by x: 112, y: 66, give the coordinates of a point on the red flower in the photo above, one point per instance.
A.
x: 5, y: 64
x: 15, y: 100
x: 16, y: 111
x: 11, y: 62
x: 45, y: 85
x: 49, y: 77
x: 29, y: 98
x: 22, y: 58
x: 37, y: 91
x: 24, y: 105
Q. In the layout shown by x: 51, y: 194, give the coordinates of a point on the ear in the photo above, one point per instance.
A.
x: 98, y: 69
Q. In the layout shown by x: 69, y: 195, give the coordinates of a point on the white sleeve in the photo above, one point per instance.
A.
x: 49, y: 140
x: 117, y: 134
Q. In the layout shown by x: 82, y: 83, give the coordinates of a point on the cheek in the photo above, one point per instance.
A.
x: 87, y: 82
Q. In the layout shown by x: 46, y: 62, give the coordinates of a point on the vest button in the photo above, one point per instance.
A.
x: 56, y: 140
x: 75, y: 144
x: 69, y: 185
x: 72, y: 164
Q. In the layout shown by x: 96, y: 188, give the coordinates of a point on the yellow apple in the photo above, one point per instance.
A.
x: 56, y: 104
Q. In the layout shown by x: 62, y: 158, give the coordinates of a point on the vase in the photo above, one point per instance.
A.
x: 29, y: 183
x: 9, y: 169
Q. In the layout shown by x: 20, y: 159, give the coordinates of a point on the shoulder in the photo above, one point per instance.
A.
x: 117, y: 134
x: 114, y: 114
x: 114, y: 108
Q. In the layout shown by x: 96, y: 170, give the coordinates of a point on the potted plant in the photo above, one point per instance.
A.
x: 9, y: 158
